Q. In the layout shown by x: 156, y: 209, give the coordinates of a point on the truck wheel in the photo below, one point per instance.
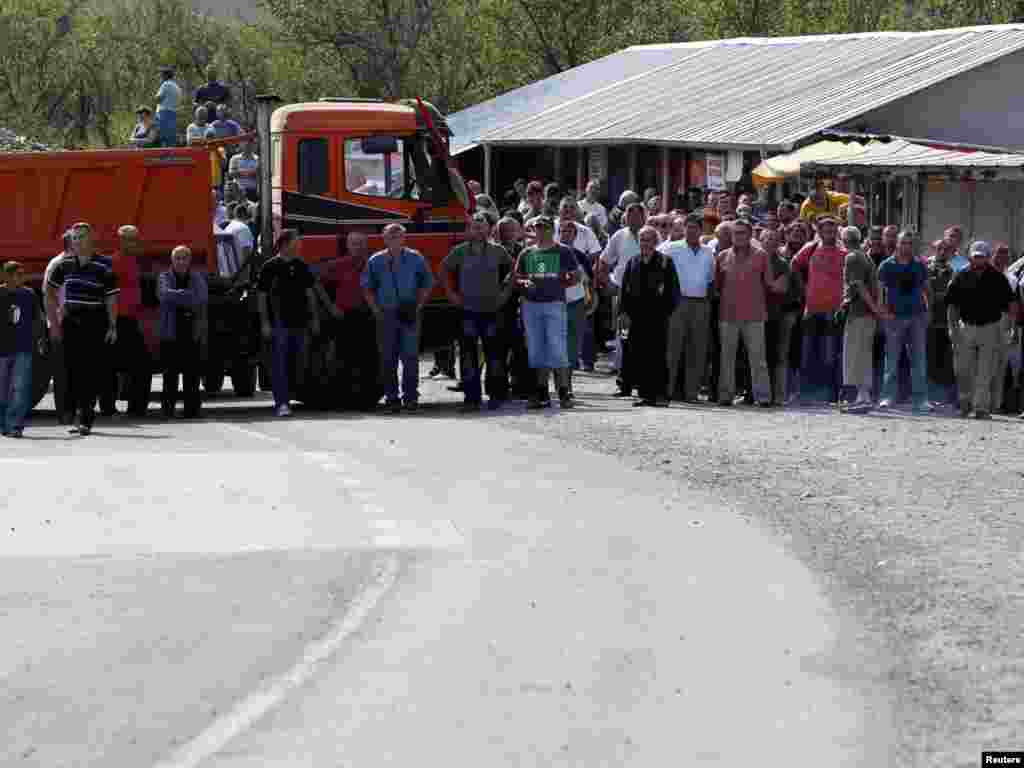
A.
x: 213, y: 382
x: 41, y: 374
x: 243, y: 379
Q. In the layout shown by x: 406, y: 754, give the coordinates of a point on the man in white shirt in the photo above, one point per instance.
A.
x: 590, y: 205
x: 623, y: 246
x: 230, y: 260
x: 690, y: 325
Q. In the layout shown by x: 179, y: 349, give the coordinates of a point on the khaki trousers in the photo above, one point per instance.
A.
x: 688, y: 330
x: 753, y: 339
x: 858, y: 351
x: 976, y: 357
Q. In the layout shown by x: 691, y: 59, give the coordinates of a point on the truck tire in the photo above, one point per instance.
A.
x: 213, y: 382
x: 243, y: 379
x: 41, y: 373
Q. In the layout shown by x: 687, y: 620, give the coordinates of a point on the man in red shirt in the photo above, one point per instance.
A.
x: 821, y: 262
x: 129, y: 355
x: 356, y: 334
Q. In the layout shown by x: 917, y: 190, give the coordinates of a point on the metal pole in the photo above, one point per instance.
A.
x: 488, y: 173
x: 581, y: 179
x: 264, y: 109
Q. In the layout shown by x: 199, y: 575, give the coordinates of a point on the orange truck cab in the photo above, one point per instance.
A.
x: 346, y: 165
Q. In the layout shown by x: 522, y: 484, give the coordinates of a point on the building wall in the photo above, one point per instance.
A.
x: 984, y: 106
x: 992, y: 211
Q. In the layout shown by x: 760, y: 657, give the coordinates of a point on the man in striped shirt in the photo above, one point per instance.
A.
x: 87, y: 321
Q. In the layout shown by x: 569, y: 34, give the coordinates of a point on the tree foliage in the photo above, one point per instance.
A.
x: 72, y: 72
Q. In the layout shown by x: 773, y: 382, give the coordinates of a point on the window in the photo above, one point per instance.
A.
x: 313, y: 163
x: 375, y: 166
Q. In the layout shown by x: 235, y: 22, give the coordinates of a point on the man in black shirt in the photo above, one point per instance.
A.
x: 976, y: 301
x: 650, y: 293
x: 87, y: 322
x: 213, y: 91
x: 287, y: 312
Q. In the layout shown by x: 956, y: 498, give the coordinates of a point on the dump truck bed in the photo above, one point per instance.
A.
x: 163, y: 192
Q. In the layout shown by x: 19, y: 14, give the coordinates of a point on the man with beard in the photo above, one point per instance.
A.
x: 650, y: 292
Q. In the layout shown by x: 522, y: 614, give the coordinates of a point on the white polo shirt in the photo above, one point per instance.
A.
x: 694, y: 267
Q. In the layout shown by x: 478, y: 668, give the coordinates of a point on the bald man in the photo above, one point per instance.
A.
x: 355, y: 327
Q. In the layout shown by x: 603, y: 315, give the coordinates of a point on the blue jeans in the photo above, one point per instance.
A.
x: 398, y: 343
x: 482, y: 326
x: 819, y: 358
x: 546, y: 327
x: 167, y: 127
x: 913, y: 332
x: 15, y: 390
x: 289, y: 344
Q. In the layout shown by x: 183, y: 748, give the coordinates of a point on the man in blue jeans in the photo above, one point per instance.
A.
x: 476, y: 280
x: 288, y: 311
x: 20, y: 320
x: 396, y: 284
x: 904, y: 281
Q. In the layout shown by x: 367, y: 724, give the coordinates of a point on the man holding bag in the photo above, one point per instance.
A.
x: 396, y: 284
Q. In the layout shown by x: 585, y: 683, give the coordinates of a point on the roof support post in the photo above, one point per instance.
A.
x: 632, y: 169
x: 666, y: 177
x: 488, y: 172
x: 265, y: 104
x: 581, y: 179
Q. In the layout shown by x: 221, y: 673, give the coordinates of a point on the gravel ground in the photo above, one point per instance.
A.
x: 912, y: 523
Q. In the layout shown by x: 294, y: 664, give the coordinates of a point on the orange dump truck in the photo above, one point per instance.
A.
x: 336, y: 166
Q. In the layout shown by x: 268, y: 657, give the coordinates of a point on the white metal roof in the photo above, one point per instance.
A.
x: 911, y: 156
x: 743, y: 93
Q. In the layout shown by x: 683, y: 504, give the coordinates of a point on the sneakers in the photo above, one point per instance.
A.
x: 982, y: 415
x: 15, y: 433
x: 885, y: 404
x: 283, y: 410
x: 535, y: 404
x: 565, y: 398
x: 412, y: 407
x: 859, y: 406
x: 84, y: 431
x: 394, y: 406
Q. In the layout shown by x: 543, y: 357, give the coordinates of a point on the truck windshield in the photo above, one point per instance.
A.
x: 388, y: 166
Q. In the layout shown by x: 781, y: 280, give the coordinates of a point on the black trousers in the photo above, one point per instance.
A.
x: 128, y: 355
x: 84, y: 353
x: 648, y: 344
x: 359, y: 357
x: 180, y: 358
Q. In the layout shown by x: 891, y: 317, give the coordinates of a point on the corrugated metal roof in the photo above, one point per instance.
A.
x: 750, y: 93
x: 913, y: 156
x: 469, y: 124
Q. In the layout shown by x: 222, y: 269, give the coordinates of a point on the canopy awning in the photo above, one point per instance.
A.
x: 787, y: 166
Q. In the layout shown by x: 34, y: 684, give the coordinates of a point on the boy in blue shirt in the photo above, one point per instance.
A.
x: 19, y: 319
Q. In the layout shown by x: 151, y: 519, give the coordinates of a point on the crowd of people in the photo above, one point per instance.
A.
x: 731, y: 302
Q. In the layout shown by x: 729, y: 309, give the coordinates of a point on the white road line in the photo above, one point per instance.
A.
x: 256, y: 434
x: 258, y: 703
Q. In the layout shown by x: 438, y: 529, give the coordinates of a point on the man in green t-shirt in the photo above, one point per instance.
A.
x: 542, y: 275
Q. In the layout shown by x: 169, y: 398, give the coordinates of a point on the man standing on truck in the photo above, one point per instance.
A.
x: 288, y: 312
x: 184, y: 327
x: 89, y: 321
x: 397, y: 284
x: 167, y: 98
x: 212, y: 91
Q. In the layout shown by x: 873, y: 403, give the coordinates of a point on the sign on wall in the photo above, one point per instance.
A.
x: 598, y: 164
x: 715, y: 171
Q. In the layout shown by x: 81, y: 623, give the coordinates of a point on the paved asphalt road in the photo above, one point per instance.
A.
x: 432, y: 590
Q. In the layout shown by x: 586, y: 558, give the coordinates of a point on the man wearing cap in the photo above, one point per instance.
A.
x: 690, y: 323
x: 904, y: 281
x: 167, y: 97
x: 821, y: 263
x: 476, y: 280
x: 542, y: 274
x: 976, y: 302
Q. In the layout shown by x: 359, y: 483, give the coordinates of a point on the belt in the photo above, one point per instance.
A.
x: 695, y: 298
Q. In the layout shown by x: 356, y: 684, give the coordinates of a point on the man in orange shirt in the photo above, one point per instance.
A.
x: 821, y: 262
x: 129, y: 354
